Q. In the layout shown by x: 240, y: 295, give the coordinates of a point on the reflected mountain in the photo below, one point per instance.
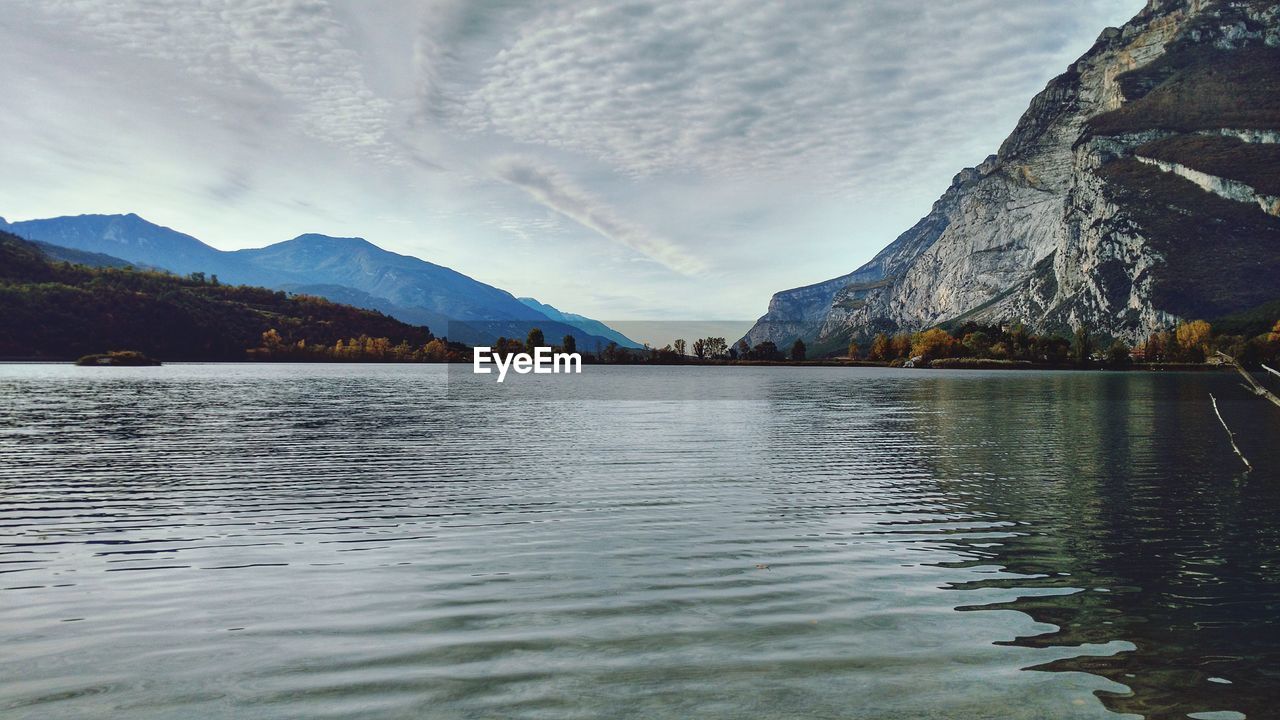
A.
x: 1132, y: 522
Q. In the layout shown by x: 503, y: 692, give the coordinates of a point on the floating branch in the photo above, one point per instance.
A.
x: 1253, y: 384
x: 1273, y: 372
x: 1230, y: 435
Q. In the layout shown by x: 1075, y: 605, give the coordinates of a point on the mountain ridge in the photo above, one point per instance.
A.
x: 343, y: 269
x: 1032, y: 234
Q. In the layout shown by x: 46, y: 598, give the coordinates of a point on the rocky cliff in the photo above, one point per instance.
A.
x: 1137, y: 188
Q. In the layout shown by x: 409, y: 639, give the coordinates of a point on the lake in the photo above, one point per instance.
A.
x: 398, y: 541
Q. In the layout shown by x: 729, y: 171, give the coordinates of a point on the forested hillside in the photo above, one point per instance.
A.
x: 56, y: 310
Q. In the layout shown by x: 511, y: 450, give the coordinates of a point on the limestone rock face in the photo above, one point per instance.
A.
x: 1035, y: 233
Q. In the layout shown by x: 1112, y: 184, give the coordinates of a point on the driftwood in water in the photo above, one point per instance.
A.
x: 1273, y: 372
x: 1230, y: 435
x: 1254, y: 387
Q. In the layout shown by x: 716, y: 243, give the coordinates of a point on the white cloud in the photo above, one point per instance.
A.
x: 744, y: 146
x: 289, y: 54
x: 554, y: 190
x: 838, y: 94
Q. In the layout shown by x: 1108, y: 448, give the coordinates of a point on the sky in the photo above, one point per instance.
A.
x: 628, y: 160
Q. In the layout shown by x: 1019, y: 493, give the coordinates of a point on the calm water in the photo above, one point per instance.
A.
x: 258, y: 541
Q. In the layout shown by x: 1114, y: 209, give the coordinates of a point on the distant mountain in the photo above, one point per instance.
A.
x: 80, y: 257
x: 58, y: 311
x: 347, y: 270
x: 127, y: 237
x: 403, y: 280
x: 586, y: 324
x: 1140, y: 187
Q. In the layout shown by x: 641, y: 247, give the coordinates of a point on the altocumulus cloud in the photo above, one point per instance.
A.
x: 767, y: 144
x: 295, y: 55
x: 833, y: 91
x: 554, y: 190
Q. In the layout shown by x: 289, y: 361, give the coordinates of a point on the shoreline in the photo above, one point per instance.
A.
x: 829, y: 362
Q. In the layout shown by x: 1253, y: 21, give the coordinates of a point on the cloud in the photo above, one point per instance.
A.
x: 836, y: 93
x: 768, y: 144
x: 554, y: 190
x: 290, y: 56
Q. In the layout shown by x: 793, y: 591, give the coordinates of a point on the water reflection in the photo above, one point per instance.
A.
x: 229, y: 541
x: 1128, y: 503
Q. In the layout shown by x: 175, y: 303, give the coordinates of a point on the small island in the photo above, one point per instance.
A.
x: 118, y: 358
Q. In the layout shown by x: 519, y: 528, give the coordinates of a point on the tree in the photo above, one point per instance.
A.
x: 271, y: 340
x: 1082, y: 346
x: 679, y: 346
x: 853, y: 350
x: 797, y: 350
x: 1193, y: 339
x: 977, y: 343
x: 435, y: 350
x: 881, y: 348
x: 900, y: 346
x: 1156, y: 348
x: 1019, y: 340
x: 534, y: 340
x: 743, y: 348
x: 716, y: 347
x: 932, y: 343
x: 570, y: 344
x: 765, y: 351
x: 1118, y: 354
x: 700, y: 348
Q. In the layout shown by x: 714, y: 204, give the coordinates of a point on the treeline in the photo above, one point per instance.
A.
x: 1190, y: 342
x: 702, y: 350
x: 275, y: 348
x: 56, y: 310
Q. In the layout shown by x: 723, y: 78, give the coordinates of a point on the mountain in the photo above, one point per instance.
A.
x: 56, y: 310
x: 346, y: 270
x: 127, y: 237
x: 403, y: 280
x: 1138, y: 188
x: 586, y: 324
x: 80, y: 257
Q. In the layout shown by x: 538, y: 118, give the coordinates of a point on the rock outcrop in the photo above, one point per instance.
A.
x: 1065, y: 226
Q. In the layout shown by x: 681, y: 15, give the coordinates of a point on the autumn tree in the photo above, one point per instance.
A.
x: 932, y: 343
x: 1156, y: 348
x: 435, y: 351
x: 900, y: 346
x: 1193, y: 339
x: 853, y: 350
x: 271, y: 340
x: 881, y: 348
